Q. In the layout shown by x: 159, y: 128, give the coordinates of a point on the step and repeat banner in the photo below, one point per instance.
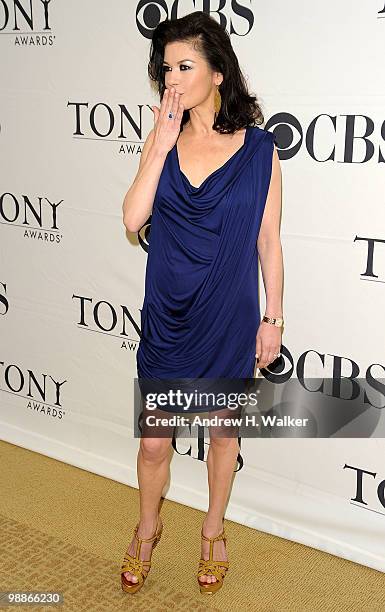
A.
x: 75, y: 111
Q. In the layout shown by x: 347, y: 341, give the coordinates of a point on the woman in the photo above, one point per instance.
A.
x: 211, y: 179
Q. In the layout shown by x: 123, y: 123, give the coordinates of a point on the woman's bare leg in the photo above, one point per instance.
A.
x: 221, y: 463
x: 153, y: 464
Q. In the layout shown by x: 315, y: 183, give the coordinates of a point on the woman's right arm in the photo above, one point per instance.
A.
x: 139, y: 199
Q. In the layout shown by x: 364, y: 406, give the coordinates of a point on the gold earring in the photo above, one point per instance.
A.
x: 217, y: 100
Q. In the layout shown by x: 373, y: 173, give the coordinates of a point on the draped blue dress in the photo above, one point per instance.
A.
x: 200, y: 312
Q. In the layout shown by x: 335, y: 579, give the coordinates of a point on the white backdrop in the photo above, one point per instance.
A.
x: 75, y: 111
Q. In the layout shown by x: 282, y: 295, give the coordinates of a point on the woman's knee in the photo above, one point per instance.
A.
x: 155, y: 449
x: 223, y: 443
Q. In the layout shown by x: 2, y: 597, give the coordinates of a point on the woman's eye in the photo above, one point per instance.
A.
x: 165, y: 68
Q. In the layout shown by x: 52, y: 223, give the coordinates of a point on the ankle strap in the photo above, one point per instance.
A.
x: 146, y: 539
x: 221, y: 536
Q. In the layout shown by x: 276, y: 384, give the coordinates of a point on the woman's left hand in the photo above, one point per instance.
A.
x: 268, y: 343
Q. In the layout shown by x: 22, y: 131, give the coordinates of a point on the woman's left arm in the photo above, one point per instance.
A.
x: 269, y: 337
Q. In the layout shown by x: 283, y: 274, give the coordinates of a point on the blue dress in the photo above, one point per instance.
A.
x: 200, y: 313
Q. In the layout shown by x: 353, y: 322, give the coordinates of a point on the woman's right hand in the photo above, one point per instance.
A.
x: 166, y: 131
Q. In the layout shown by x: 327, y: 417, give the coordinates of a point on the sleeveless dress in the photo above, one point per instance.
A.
x: 200, y: 312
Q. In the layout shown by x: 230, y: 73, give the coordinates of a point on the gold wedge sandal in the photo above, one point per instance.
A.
x: 210, y: 567
x: 137, y: 566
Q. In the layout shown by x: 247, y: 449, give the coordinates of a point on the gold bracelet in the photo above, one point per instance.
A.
x: 277, y: 321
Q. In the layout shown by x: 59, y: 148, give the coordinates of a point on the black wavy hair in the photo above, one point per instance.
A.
x: 238, y: 107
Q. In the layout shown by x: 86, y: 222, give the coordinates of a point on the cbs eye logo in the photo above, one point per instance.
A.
x: 281, y: 370
x: 288, y: 134
x: 149, y: 13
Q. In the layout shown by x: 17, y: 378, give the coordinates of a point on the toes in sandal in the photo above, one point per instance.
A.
x: 135, y: 565
x: 214, y: 568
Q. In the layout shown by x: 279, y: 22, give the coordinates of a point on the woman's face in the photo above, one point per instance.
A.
x: 190, y: 74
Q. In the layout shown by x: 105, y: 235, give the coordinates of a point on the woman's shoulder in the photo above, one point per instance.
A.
x: 261, y: 130
x: 263, y: 134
